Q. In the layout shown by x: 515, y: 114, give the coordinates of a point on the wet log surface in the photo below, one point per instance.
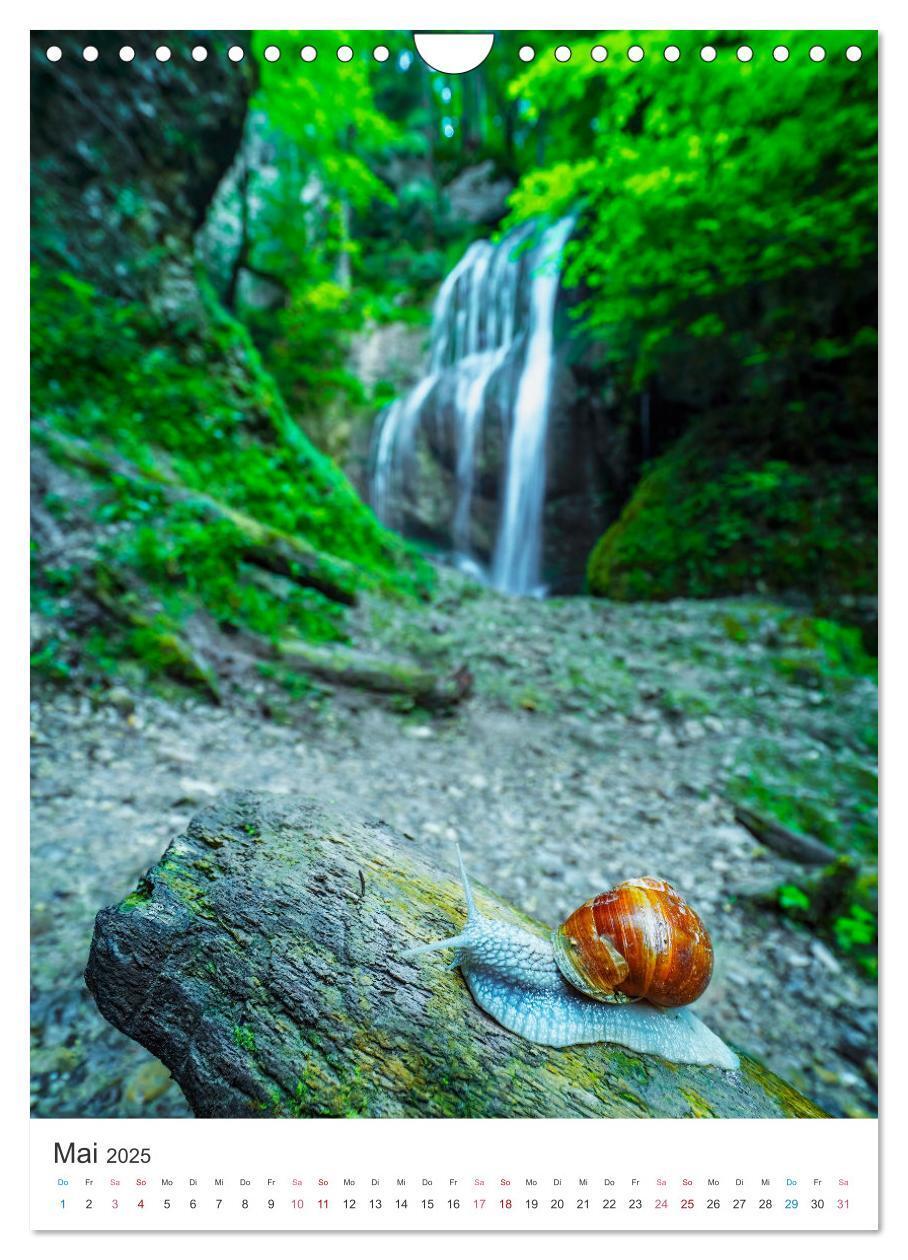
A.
x: 261, y: 960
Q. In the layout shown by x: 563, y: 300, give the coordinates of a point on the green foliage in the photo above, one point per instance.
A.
x: 50, y: 660
x: 825, y: 650
x: 203, y: 559
x: 793, y: 898
x: 842, y: 647
x: 192, y: 398
x: 856, y: 929
x: 700, y: 183
x: 357, y: 229
x: 842, y: 908
x: 331, y: 142
x: 822, y: 650
x: 724, y: 264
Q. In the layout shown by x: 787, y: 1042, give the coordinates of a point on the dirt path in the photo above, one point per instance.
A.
x: 599, y: 744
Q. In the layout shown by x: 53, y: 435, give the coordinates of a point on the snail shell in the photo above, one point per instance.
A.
x: 515, y: 976
x: 640, y: 940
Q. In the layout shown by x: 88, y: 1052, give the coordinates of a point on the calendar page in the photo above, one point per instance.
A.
x: 454, y: 629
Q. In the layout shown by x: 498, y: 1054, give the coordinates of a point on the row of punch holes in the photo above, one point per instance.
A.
x: 527, y: 53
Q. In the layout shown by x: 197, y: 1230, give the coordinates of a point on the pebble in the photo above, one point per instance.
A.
x: 826, y: 957
x: 121, y: 700
x: 147, y: 1083
x: 195, y: 790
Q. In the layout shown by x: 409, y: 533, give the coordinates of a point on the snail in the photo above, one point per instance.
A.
x: 622, y: 968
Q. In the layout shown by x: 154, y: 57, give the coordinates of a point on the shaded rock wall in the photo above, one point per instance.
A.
x: 126, y: 156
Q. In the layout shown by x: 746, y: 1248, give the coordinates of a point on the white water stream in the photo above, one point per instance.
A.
x: 495, y: 308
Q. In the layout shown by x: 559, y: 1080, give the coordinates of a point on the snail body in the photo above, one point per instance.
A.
x: 527, y: 983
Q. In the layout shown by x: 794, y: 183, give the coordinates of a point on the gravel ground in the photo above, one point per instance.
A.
x: 599, y: 743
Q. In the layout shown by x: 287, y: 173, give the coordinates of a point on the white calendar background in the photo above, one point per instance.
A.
x: 455, y: 1174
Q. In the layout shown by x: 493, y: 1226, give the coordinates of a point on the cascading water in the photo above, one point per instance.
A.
x: 519, y: 547
x: 492, y: 349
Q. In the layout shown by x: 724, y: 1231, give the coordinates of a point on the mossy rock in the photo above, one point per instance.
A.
x: 705, y: 521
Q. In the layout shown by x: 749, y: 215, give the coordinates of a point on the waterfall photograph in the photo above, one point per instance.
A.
x: 454, y: 575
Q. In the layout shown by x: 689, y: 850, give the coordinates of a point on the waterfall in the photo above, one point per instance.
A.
x: 519, y: 547
x: 491, y: 354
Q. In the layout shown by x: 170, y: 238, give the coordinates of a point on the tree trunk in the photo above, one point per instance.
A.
x: 262, y: 960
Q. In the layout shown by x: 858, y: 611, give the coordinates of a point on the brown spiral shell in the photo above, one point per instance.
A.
x: 640, y: 940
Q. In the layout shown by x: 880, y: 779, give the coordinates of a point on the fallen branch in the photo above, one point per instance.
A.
x: 123, y: 600
x: 790, y: 844
x: 337, y: 663
x: 262, y: 959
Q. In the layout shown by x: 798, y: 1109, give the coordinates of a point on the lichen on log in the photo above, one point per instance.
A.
x: 262, y: 960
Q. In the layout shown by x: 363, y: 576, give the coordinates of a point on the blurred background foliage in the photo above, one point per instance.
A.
x: 723, y: 279
x: 724, y: 271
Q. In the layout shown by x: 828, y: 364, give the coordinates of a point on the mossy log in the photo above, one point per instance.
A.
x: 262, y: 960
x: 337, y: 663
x: 270, y: 548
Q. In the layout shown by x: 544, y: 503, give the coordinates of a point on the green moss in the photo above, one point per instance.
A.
x: 681, y: 702
x: 705, y: 520
x: 184, y: 886
x: 244, y: 1037
x: 138, y: 897
x: 189, y: 397
x: 839, y: 650
x: 699, y: 1107
x: 833, y: 797
x: 50, y: 660
x: 735, y: 628
x: 791, y: 1104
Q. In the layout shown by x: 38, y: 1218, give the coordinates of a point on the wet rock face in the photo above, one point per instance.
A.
x: 577, y: 499
x: 388, y: 352
x: 575, y: 507
x: 494, y: 453
x: 261, y: 959
x: 127, y: 155
x: 477, y: 195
